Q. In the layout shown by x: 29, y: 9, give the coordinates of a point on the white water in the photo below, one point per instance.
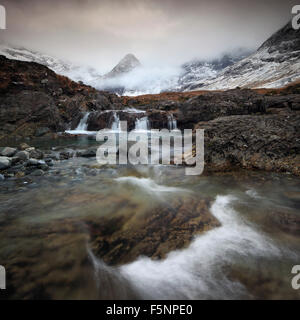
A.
x: 198, y: 271
x: 142, y: 124
x: 83, y: 123
x: 133, y: 110
x: 82, y: 126
x: 116, y: 122
x: 172, y: 123
x: 149, y: 186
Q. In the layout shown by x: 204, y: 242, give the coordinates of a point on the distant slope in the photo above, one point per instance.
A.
x: 197, y: 72
x: 275, y: 64
x: 62, y: 67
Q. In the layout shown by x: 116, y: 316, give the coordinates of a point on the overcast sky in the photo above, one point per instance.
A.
x: 158, y: 32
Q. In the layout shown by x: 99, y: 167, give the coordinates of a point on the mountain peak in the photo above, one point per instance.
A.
x: 285, y: 39
x: 126, y: 64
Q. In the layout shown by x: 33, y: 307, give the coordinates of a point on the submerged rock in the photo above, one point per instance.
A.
x: 118, y: 239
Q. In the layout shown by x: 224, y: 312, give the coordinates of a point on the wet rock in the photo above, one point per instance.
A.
x: 16, y: 169
x: 20, y: 174
x: 44, y: 167
x: 160, y: 231
x: 35, y: 153
x: 265, y: 142
x: 65, y: 155
x: 24, y: 146
x: 158, y: 119
x: 7, y: 151
x: 36, y: 162
x: 52, y: 155
x: 89, y: 153
x: 49, y: 162
x: 23, y: 155
x: 286, y: 221
x: 15, y: 160
x: 5, y: 163
x: 37, y: 172
x: 41, y: 131
x: 2, y: 178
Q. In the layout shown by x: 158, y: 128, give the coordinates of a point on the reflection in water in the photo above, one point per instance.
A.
x: 56, y: 233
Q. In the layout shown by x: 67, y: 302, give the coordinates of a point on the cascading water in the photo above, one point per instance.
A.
x: 172, y: 123
x: 82, y: 126
x: 116, y: 122
x: 142, y: 124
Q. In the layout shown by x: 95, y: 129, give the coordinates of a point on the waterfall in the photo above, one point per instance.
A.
x: 142, y: 124
x: 172, y: 123
x: 82, y: 126
x: 116, y: 122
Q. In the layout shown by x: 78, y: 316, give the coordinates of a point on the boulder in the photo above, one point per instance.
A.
x: 24, y: 146
x: 5, y: 163
x: 89, y: 153
x: 36, y: 154
x: 7, y: 151
x: 22, y: 155
x: 38, y: 172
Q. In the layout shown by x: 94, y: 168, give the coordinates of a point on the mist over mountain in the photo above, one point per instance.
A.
x: 275, y: 63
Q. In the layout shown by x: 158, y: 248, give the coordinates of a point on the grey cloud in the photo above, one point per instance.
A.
x: 167, y: 32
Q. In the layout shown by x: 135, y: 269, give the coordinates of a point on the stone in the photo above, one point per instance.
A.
x: 89, y: 153
x: 49, y: 162
x: 16, y: 169
x: 23, y: 155
x: 64, y: 155
x: 38, y: 172
x: 32, y: 162
x: 5, y: 163
x: 36, y: 154
x: 7, y: 151
x: 20, y: 174
x: 2, y: 178
x: 24, y: 146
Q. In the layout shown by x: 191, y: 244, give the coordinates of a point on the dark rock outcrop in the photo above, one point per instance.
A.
x: 265, y: 142
x: 34, y: 97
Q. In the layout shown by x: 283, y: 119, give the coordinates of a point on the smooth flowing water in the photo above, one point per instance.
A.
x: 71, y: 233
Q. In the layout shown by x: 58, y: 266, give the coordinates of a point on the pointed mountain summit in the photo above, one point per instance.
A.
x: 127, y: 64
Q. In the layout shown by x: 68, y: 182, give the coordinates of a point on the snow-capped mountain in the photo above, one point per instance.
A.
x: 127, y: 64
x: 275, y: 64
x: 197, y: 72
x: 68, y: 69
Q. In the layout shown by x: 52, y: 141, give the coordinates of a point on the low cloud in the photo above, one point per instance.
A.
x: 159, y: 33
